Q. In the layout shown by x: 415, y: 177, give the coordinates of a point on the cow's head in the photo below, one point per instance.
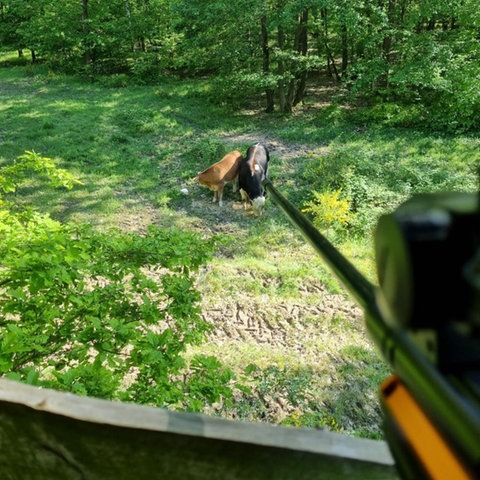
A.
x: 258, y: 204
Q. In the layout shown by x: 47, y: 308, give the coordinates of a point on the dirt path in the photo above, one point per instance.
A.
x: 283, y: 323
x: 283, y: 150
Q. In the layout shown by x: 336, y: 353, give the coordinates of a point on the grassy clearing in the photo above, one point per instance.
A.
x: 272, y: 300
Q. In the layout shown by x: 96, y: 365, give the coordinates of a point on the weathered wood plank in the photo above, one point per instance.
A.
x: 52, y: 435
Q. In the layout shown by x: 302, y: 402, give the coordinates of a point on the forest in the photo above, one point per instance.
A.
x: 423, y: 54
x: 120, y: 279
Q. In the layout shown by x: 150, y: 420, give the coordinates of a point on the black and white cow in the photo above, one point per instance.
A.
x: 253, y: 171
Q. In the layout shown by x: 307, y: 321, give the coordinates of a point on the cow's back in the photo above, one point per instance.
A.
x: 225, y: 170
x: 258, y: 155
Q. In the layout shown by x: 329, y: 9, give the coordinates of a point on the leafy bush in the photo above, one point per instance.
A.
x: 377, y: 180
x: 328, y: 210
x: 106, y: 314
x: 146, y: 69
x: 12, y: 175
x: 358, y: 176
x: 114, y: 80
x: 433, y: 82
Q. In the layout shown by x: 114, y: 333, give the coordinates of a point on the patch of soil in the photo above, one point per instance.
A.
x: 284, y: 150
x: 282, y: 324
x: 311, y: 334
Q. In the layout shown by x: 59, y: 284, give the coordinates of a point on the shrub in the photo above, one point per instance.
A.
x: 236, y: 90
x: 107, y: 314
x: 328, y: 210
x: 146, y: 69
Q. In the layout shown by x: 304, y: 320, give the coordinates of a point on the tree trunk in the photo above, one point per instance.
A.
x: 331, y: 67
x: 87, y: 55
x: 282, y: 96
x: 344, y: 48
x: 288, y: 97
x: 302, y: 49
x: 266, y: 65
x: 388, y: 39
x: 130, y: 28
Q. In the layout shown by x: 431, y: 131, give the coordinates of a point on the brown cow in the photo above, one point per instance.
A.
x: 225, y: 170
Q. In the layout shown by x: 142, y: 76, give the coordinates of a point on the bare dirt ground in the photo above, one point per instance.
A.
x: 283, y: 150
x: 282, y: 324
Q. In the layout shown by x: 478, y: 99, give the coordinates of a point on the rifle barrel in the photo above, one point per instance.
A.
x: 354, y: 281
x: 455, y: 414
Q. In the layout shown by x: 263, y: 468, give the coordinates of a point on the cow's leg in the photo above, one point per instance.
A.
x: 245, y: 198
x: 235, y: 184
x: 220, y: 193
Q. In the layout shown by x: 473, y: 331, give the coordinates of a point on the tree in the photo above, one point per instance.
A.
x: 14, y: 17
x: 421, y: 51
x: 429, y: 55
x: 269, y: 92
x: 292, y: 50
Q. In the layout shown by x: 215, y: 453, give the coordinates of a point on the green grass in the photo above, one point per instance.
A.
x: 135, y: 147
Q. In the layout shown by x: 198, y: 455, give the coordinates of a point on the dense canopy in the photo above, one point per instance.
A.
x: 424, y: 53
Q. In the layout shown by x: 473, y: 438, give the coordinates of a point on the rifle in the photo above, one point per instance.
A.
x: 424, y: 317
